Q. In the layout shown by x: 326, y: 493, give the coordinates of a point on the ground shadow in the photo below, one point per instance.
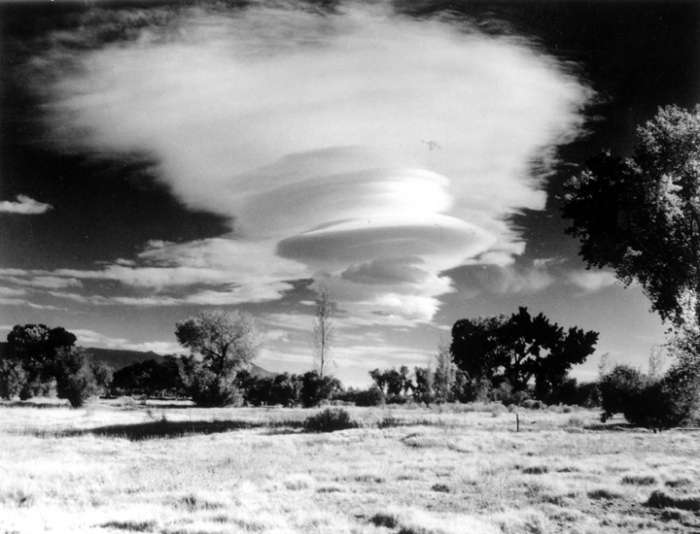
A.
x: 613, y: 427
x: 33, y: 404
x: 172, y: 429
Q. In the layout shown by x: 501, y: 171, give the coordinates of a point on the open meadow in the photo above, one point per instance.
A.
x: 117, y: 467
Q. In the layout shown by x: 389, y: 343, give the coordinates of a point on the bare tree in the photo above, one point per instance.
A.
x: 323, y: 329
x: 656, y: 362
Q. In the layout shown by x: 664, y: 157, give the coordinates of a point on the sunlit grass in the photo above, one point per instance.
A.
x: 121, y: 467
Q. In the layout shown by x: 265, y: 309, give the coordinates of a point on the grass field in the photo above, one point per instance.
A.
x: 124, y: 467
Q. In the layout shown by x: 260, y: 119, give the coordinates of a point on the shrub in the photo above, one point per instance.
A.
x: 207, y: 388
x: 363, y: 397
x: 370, y: 397
x: 471, y: 390
x: 316, y: 388
x: 660, y: 499
x: 669, y: 402
x: 329, y: 420
x: 103, y: 374
x: 572, y: 393
x: 618, y: 388
x: 12, y: 378
x: 382, y: 519
x: 285, y: 390
x: 533, y: 404
x: 152, y: 378
x: 74, y: 379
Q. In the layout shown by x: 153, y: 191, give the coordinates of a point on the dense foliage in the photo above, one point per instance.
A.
x: 35, y: 347
x: 641, y: 215
x: 152, y: 378
x: 224, y: 343
x: 75, y: 380
x: 517, y: 349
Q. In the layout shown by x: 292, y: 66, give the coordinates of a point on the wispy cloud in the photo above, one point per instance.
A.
x: 24, y: 205
x: 91, y: 338
x: 592, y: 281
x: 308, y: 131
x: 504, y: 279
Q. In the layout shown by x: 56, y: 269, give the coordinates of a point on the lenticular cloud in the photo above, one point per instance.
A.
x: 358, y: 146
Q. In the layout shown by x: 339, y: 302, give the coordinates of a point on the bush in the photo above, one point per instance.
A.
x: 669, y: 402
x: 315, y: 388
x: 619, y: 389
x: 572, y: 393
x: 74, y: 378
x: 152, y: 378
x: 362, y: 397
x: 207, y: 388
x: 329, y: 420
x: 103, y: 374
x: 12, y: 378
x: 285, y: 390
x: 370, y: 397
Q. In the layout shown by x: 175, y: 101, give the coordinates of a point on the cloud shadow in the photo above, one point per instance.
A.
x: 165, y: 429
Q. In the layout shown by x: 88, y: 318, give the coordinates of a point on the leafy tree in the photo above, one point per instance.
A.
x: 12, y: 378
x: 423, y: 391
x: 379, y: 379
x: 445, y: 376
x: 407, y: 382
x: 520, y: 348
x: 670, y: 401
x: 226, y: 342
x: 152, y: 378
x: 35, y: 346
x: 103, y: 375
x: 316, y: 388
x: 618, y: 388
x: 394, y: 384
x: 641, y: 216
x: 370, y: 397
x: 74, y: 378
x: 570, y: 392
x: 285, y: 390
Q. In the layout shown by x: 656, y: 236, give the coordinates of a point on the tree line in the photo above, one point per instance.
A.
x: 489, y: 359
x: 639, y: 216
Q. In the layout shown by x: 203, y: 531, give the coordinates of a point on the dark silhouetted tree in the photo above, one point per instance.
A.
x: 519, y: 349
x: 35, y: 347
x: 316, y: 388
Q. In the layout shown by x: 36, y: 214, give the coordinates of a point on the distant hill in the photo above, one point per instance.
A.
x: 119, y: 358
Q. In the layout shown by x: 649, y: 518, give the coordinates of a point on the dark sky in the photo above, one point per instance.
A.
x: 129, y: 120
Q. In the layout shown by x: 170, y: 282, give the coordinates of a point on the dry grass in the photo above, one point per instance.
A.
x: 120, y: 467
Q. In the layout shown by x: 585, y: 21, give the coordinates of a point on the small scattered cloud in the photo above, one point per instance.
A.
x: 592, y: 281
x: 11, y: 292
x: 91, y: 338
x: 24, y: 205
x: 504, y: 280
x: 9, y: 301
x: 41, y: 282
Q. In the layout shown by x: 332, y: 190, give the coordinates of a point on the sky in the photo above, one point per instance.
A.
x: 162, y: 158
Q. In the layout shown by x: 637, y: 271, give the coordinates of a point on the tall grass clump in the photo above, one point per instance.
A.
x: 329, y: 420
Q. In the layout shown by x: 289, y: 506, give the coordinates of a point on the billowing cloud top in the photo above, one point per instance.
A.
x: 359, y: 147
